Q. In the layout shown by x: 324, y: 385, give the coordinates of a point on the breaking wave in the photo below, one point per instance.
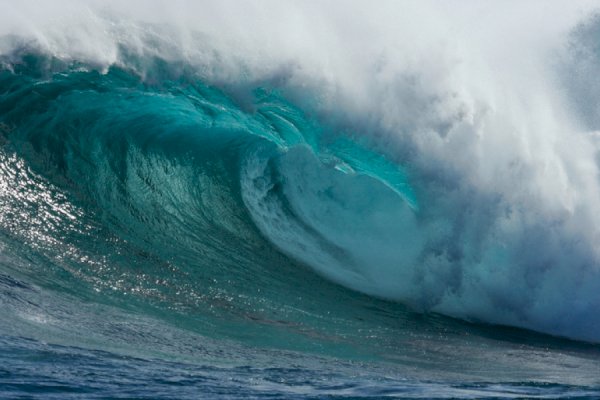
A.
x: 185, y: 166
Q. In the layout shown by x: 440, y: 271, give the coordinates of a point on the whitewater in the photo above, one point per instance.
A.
x: 299, y: 199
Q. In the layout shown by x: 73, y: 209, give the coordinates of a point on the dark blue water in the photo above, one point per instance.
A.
x: 169, y: 238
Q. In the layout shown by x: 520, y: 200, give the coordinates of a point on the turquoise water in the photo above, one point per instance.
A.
x: 167, y: 238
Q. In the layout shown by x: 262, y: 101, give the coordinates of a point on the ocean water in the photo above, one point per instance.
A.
x: 299, y: 200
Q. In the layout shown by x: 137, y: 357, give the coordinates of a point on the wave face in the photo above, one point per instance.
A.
x: 272, y: 194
